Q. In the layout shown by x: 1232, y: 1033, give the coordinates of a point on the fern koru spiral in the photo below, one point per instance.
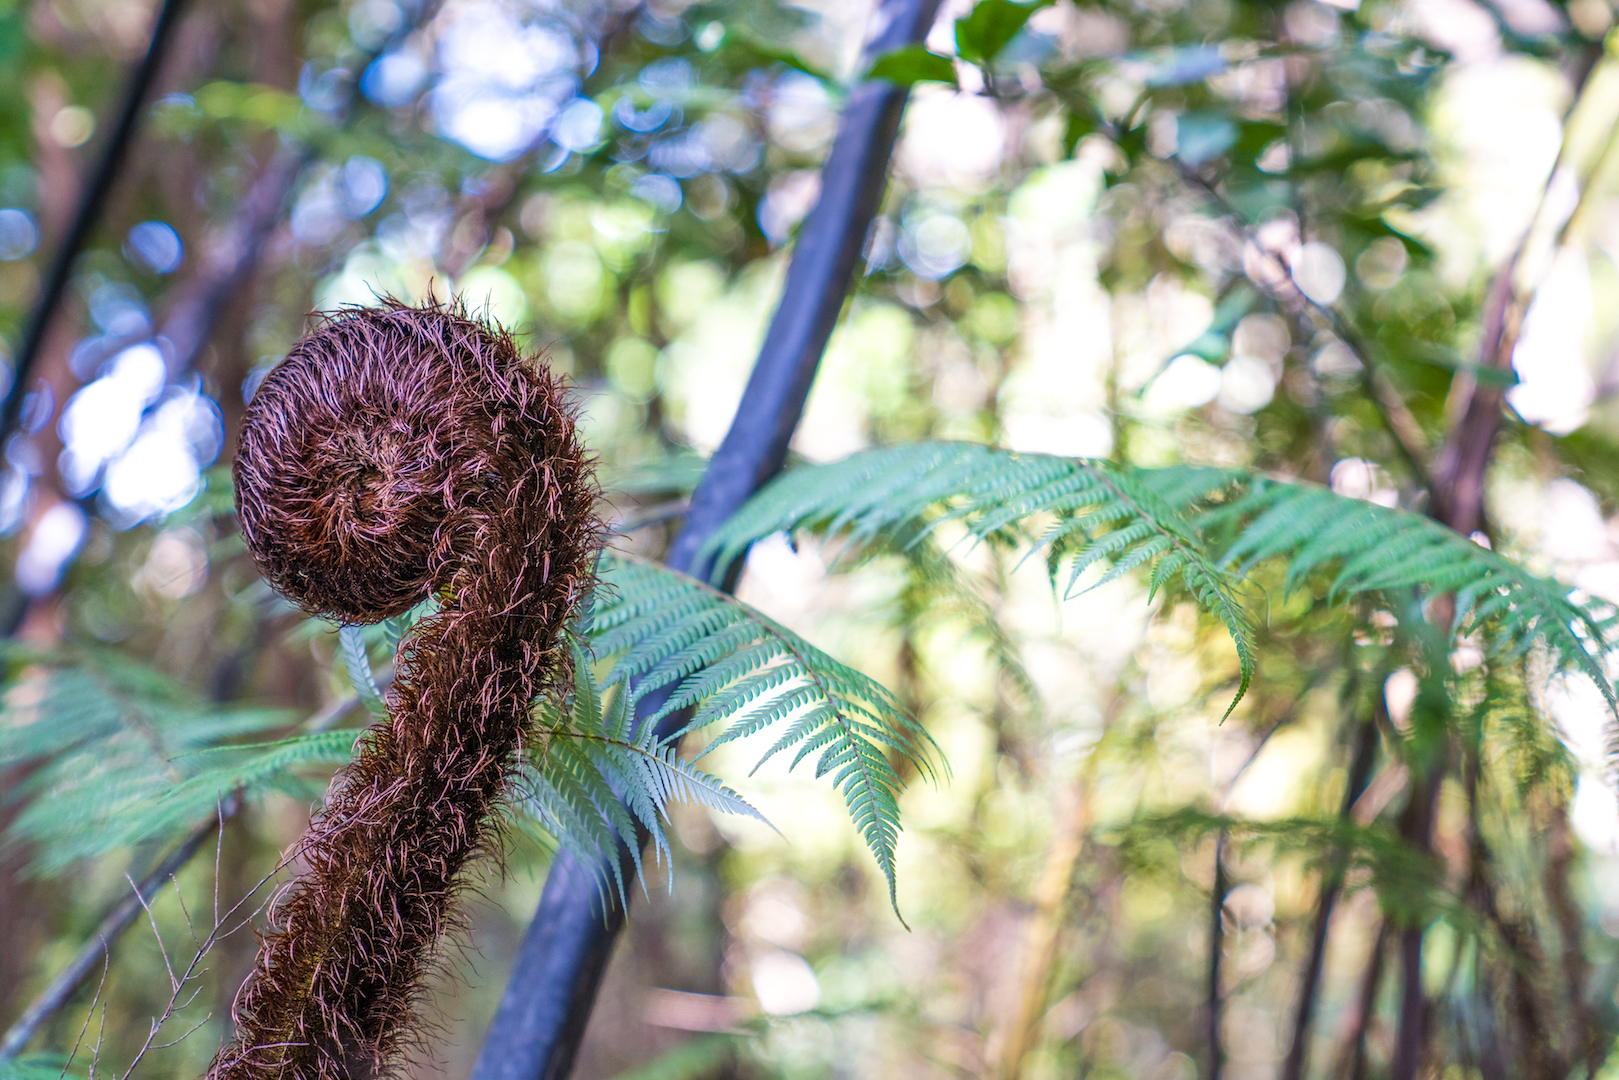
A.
x: 399, y: 451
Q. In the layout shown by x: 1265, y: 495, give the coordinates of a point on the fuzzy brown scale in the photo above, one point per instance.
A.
x: 399, y: 451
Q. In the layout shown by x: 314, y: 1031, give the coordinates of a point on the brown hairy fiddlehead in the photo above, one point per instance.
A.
x: 400, y: 451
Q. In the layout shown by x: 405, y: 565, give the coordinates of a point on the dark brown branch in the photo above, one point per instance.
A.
x: 108, y: 168
x: 230, y: 261
x: 1360, y: 771
x: 1217, y: 898
x: 1416, y: 829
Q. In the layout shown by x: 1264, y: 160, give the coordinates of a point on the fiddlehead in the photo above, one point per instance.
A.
x: 398, y: 451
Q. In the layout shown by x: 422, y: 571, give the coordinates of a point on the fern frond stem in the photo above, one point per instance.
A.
x: 1360, y: 773
x: 98, y: 948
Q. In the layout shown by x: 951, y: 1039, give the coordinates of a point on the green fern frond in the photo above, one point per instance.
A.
x: 1378, y: 549
x: 594, y: 778
x: 112, y: 746
x: 702, y: 1056
x: 250, y: 769
x: 674, y: 637
x: 1124, y: 518
x: 38, y: 1067
x: 1162, y: 520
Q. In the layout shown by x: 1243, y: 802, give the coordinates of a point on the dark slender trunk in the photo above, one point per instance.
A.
x: 1416, y: 828
x: 109, y: 166
x: 1216, y: 955
x: 1360, y: 772
x: 542, y: 1016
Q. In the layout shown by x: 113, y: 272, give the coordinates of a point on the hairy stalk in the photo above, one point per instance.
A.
x: 395, y: 453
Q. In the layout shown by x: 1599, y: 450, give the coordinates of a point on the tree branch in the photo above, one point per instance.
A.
x: 1217, y: 898
x: 108, y: 168
x: 1360, y: 772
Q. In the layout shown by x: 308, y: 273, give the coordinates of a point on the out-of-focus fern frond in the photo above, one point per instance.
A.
x: 697, y: 648
x: 1093, y: 512
x: 252, y: 770
x: 1378, y: 549
x: 700, y: 1057
x: 110, y: 748
x: 38, y: 1067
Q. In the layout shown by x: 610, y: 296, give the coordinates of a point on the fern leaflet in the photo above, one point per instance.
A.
x: 676, y: 638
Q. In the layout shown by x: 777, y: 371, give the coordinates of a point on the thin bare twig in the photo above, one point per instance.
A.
x: 106, y: 964
x: 194, y: 969
x: 112, y: 927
